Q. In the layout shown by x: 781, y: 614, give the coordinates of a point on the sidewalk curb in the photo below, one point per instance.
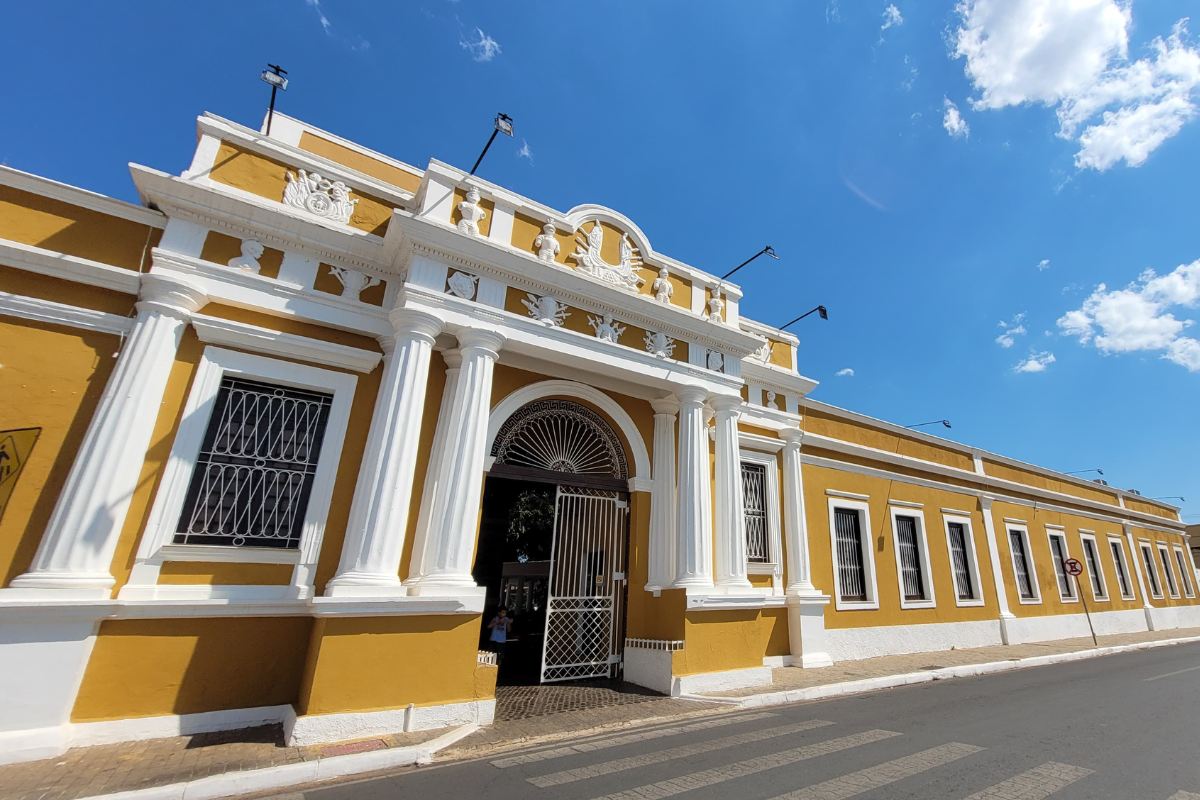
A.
x: 905, y: 679
x: 284, y: 775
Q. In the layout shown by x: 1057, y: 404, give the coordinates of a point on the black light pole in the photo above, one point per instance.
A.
x: 273, y: 75
x: 503, y: 124
x: 766, y: 251
x: 944, y: 422
x: 1171, y: 497
x: 822, y: 310
x: 1096, y: 470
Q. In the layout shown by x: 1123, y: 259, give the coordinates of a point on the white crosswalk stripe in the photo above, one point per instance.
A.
x: 740, y: 769
x: 632, y: 738
x: 1181, y: 795
x: 1035, y: 784
x: 683, y: 751
x: 880, y: 775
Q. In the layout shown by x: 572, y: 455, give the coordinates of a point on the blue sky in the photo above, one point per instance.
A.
x: 927, y: 170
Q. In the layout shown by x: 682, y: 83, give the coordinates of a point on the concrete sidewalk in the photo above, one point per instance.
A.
x: 256, y: 759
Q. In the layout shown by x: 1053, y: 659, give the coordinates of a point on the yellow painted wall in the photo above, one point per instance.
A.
x: 1147, y: 507
x: 64, y: 228
x: 1141, y: 535
x: 724, y: 640
x: 781, y: 354
x: 362, y: 162
x: 1029, y: 478
x: 145, y: 668
x: 825, y: 424
x: 224, y: 574
x: 220, y: 248
x: 292, y: 325
x: 31, y: 284
x: 51, y: 377
x: 367, y: 663
x: 526, y: 230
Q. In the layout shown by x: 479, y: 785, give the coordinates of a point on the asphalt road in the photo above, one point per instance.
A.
x: 1121, y: 726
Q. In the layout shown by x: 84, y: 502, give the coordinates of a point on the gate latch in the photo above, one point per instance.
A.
x: 614, y: 659
x: 622, y: 503
x: 618, y: 576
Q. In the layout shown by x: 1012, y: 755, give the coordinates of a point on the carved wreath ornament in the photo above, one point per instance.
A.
x: 319, y: 196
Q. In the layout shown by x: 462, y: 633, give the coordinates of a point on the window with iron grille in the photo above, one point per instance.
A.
x: 908, y: 547
x: 252, y: 480
x: 1170, y: 573
x: 1021, y: 566
x: 754, y: 501
x: 1187, y: 579
x: 1118, y: 554
x: 1151, y: 573
x: 851, y: 560
x: 1058, y: 554
x: 960, y: 560
x: 1095, y: 574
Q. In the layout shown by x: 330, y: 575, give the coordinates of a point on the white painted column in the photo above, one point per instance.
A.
x: 989, y: 527
x: 730, y: 528
x: 370, y: 563
x: 807, y: 641
x: 1135, y: 555
x: 662, y: 496
x: 77, y: 548
x: 448, y: 522
x: 694, y: 554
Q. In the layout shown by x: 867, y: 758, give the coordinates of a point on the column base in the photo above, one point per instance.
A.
x: 66, y: 585
x: 445, y: 587
x: 806, y: 629
x: 365, y: 585
x: 734, y: 585
x: 1006, y: 623
x: 1150, y: 622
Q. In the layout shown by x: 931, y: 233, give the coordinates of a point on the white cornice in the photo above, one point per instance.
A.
x: 214, y: 330
x: 83, y: 198
x: 762, y: 329
x: 38, y: 310
x: 776, y: 377
x: 289, y: 125
x: 70, y: 268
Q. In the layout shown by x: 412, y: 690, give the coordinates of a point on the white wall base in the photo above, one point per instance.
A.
x: 1175, y: 617
x: 1110, y: 622
x: 648, y: 668
x: 1023, y: 630
x: 851, y: 644
x: 808, y: 640
x: 323, y: 728
x: 84, y: 734
x: 720, y: 681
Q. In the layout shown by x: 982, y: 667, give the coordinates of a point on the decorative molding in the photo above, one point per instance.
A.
x: 354, y: 283
x: 607, y: 329
x: 846, y: 495
x: 587, y: 255
x: 49, y: 311
x: 668, y: 645
x: 319, y: 196
x: 227, y: 333
x: 73, y: 195
x: 547, y: 243
x: 68, y: 268
x: 659, y: 344
x: 470, y: 213
x: 546, y: 309
x: 462, y: 284
x: 486, y: 658
x: 763, y: 444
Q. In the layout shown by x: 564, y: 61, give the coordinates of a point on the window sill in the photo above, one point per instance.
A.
x: 856, y: 605
x: 1030, y: 601
x: 762, y: 568
x: 978, y: 603
x: 234, y: 555
x: 914, y: 604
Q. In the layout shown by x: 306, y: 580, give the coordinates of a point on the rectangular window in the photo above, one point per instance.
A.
x: 1058, y: 554
x: 1151, y: 572
x: 912, y: 559
x: 1022, y: 566
x: 1185, y: 575
x: 1172, y: 587
x: 962, y: 558
x: 1118, y: 554
x: 1091, y: 558
x: 754, y: 500
x: 254, y: 475
x: 851, y: 562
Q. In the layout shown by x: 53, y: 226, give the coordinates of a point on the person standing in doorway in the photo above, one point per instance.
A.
x: 499, y: 629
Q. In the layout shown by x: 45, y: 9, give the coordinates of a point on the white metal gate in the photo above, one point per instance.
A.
x: 586, y: 597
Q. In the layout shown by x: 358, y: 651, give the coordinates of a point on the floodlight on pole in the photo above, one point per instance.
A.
x: 273, y: 75
x: 1171, y: 497
x: 1096, y: 470
x: 766, y: 251
x: 821, y: 310
x: 502, y: 124
x: 942, y: 422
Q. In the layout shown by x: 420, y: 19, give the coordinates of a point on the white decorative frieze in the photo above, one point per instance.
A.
x: 470, y: 213
x: 546, y: 310
x: 715, y: 305
x: 354, y: 283
x: 659, y: 344
x: 662, y: 286
x: 716, y: 360
x: 587, y: 256
x: 547, y: 243
x: 252, y: 251
x: 319, y: 196
x: 460, y: 284
x: 606, y: 328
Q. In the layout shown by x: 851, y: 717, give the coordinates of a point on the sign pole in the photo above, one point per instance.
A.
x: 1075, y: 569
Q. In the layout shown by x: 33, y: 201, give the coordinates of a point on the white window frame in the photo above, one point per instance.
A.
x: 864, y: 528
x: 157, y: 546
x: 1053, y: 533
x: 896, y: 509
x: 972, y: 561
x: 774, y: 568
x: 1164, y: 555
x: 1030, y: 566
x: 1101, y: 595
x: 1129, y: 577
x: 1181, y: 561
x: 1145, y: 546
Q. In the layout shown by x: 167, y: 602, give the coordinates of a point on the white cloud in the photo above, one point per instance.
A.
x: 1139, y: 318
x: 845, y: 373
x: 953, y: 121
x: 1037, y: 362
x: 913, y: 74
x: 1073, y: 55
x: 1009, y: 331
x: 832, y: 12
x: 485, y: 48
x: 1043, y: 265
x: 525, y: 152
x: 326, y: 25
x: 892, y: 18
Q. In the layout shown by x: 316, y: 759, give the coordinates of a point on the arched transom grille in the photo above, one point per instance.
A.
x: 560, y: 436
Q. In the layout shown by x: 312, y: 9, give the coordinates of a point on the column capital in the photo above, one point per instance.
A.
x: 665, y: 405
x: 481, y: 340
x: 170, y: 295
x: 453, y: 358
x: 792, y: 436
x: 691, y: 395
x: 725, y: 403
x: 414, y: 322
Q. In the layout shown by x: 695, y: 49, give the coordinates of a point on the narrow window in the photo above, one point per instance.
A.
x: 1183, y: 571
x: 1058, y: 553
x: 852, y: 572
x: 1151, y: 573
x: 754, y: 499
x: 908, y: 544
x: 253, y: 477
x: 1095, y: 575
x: 1021, y: 565
x: 1118, y: 554
x: 964, y: 582
x: 1170, y: 573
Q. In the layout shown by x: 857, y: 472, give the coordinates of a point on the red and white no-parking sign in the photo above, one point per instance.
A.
x: 1074, y: 566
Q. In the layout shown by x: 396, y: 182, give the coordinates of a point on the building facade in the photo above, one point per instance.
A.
x: 277, y: 444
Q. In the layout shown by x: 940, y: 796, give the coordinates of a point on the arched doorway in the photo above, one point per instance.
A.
x: 553, y: 542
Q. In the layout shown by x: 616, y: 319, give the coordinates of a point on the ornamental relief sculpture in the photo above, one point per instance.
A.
x: 354, y: 283
x: 587, y: 256
x: 470, y: 213
x: 319, y: 196
x: 606, y: 328
x: 460, y: 284
x: 659, y: 345
x: 547, y: 243
x: 546, y: 310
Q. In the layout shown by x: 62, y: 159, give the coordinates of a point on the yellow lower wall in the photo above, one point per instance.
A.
x: 722, y: 640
